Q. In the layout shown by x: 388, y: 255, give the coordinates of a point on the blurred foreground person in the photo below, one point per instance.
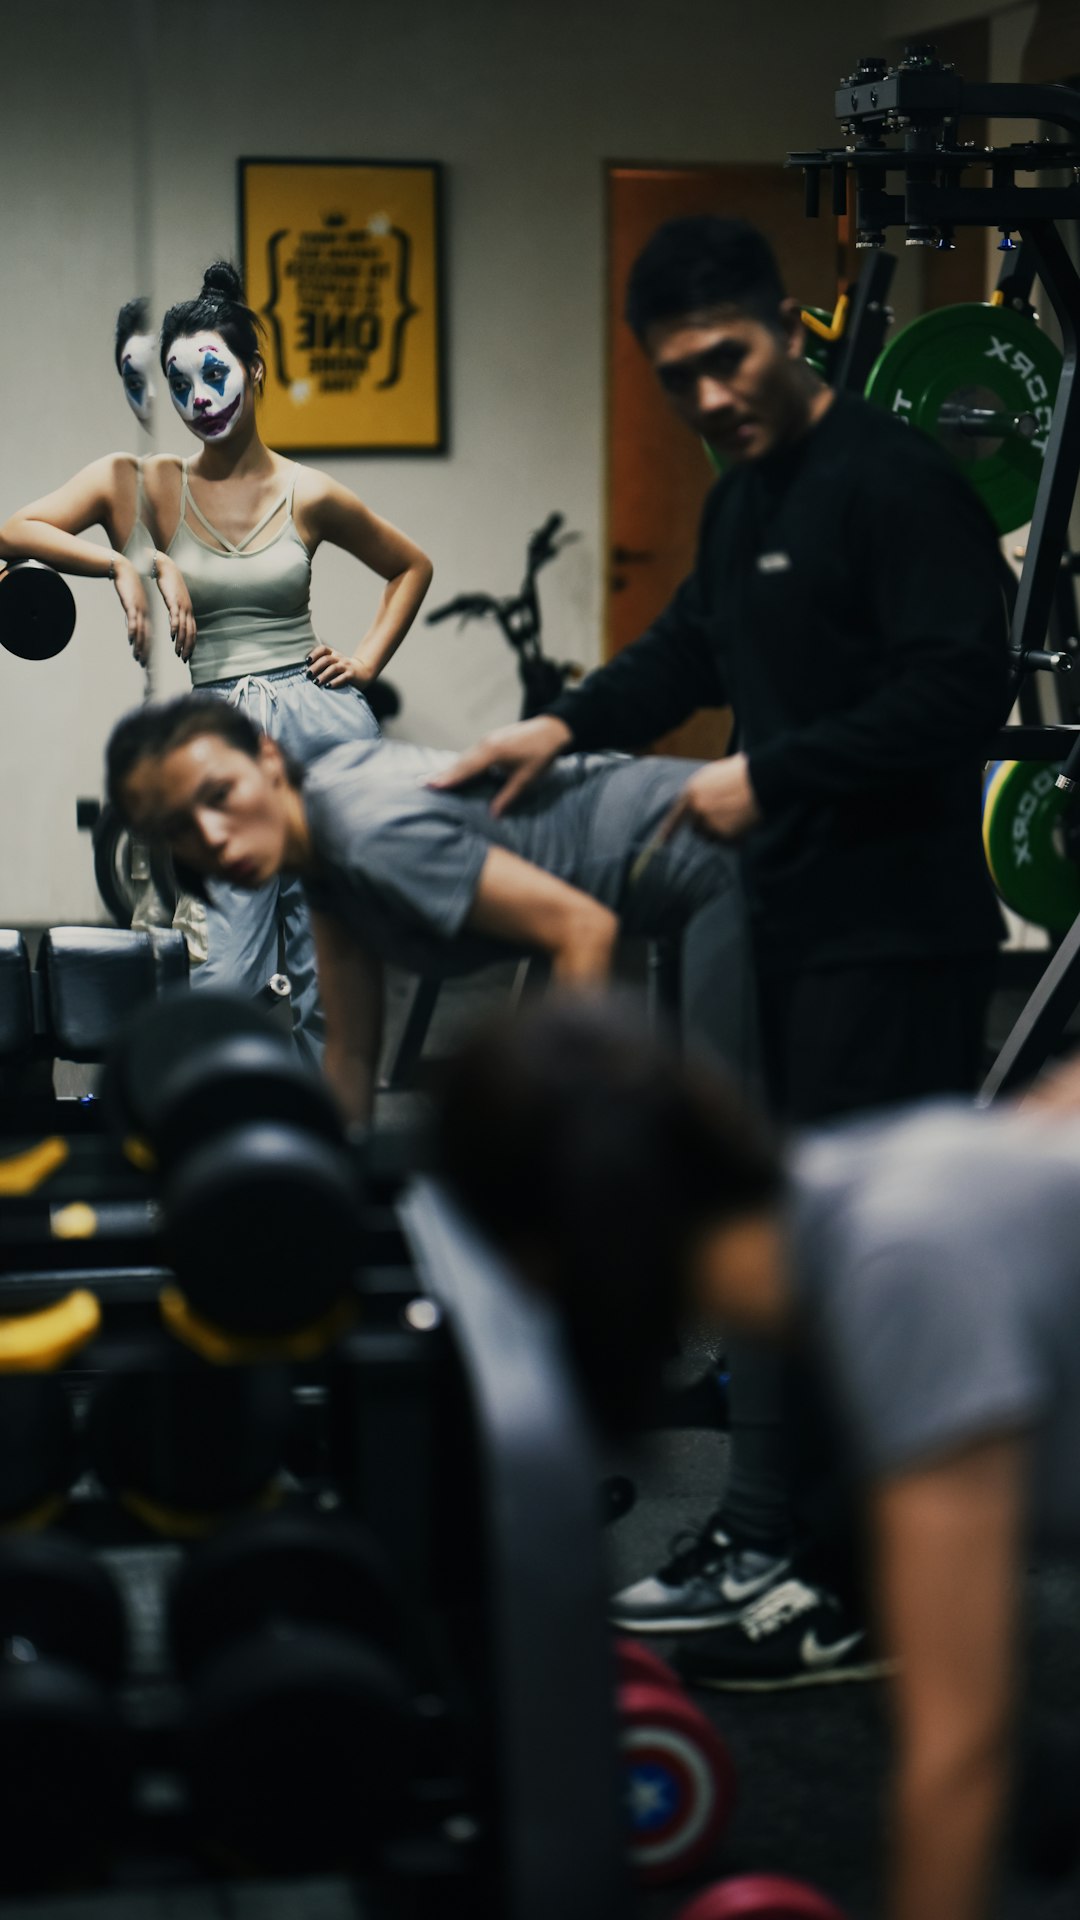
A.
x: 922, y: 1273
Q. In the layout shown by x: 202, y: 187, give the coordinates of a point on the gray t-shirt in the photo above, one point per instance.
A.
x: 399, y: 862
x: 938, y: 1265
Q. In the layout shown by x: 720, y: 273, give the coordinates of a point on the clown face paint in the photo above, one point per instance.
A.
x: 207, y: 383
x: 136, y: 362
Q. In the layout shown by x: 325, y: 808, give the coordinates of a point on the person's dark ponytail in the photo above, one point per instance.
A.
x: 222, y: 278
x: 220, y: 308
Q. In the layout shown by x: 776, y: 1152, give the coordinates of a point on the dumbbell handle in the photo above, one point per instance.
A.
x: 986, y: 421
x: 1039, y: 662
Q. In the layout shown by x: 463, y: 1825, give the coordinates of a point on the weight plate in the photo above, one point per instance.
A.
x: 282, y: 1566
x: 1024, y: 842
x: 65, y: 1764
x: 633, y: 1662
x: 680, y: 1783
x: 193, y: 1442
x: 761, y: 1896
x: 163, y: 1035
x: 301, y: 1747
x: 242, y: 1076
x: 985, y: 357
x: 58, y: 1598
x: 37, y: 1443
x: 37, y: 611
x: 263, y: 1228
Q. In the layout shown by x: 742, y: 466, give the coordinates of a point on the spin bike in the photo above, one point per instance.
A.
x: 518, y: 616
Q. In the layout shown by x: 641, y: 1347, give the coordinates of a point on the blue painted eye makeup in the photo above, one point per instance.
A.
x: 207, y: 385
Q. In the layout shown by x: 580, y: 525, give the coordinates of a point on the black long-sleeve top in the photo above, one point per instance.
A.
x: 847, y: 602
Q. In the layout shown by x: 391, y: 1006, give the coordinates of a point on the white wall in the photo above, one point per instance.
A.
x: 524, y: 101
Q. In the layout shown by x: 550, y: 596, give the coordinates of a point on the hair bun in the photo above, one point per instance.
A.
x: 222, y: 277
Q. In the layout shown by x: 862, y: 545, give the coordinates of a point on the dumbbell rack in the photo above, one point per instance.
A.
x: 487, y: 1509
x: 904, y: 120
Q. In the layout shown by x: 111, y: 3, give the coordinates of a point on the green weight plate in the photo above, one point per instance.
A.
x: 981, y: 357
x: 1025, y: 845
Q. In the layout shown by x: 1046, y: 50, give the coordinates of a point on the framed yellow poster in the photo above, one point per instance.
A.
x: 342, y: 261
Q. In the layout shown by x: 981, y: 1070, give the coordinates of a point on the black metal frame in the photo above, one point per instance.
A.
x: 922, y: 101
x: 868, y: 324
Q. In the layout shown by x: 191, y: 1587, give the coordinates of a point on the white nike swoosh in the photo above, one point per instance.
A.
x: 738, y: 1590
x: 814, y: 1654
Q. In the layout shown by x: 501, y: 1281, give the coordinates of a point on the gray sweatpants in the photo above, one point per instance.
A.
x: 687, y: 891
x: 246, y: 934
x: 593, y: 821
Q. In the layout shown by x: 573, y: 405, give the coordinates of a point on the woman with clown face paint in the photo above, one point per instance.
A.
x: 242, y: 524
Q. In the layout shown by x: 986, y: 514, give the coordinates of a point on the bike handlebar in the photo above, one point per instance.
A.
x: 466, y: 605
x: 543, y: 545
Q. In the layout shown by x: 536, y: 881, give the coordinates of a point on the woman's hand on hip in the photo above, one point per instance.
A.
x: 330, y: 669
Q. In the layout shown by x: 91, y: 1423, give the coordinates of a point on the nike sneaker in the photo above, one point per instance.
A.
x: 795, y: 1635
x: 707, y: 1582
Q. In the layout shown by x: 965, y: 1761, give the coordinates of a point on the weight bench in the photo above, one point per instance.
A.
x: 402, y: 1068
x: 71, y: 1005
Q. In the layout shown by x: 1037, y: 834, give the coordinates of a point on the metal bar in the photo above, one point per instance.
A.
x: 1034, y: 742
x: 984, y: 422
x: 1007, y: 100
x: 868, y: 323
x: 1049, y: 534
x: 1013, y: 207
x: 935, y: 93
x: 1016, y: 277
x: 406, y: 1055
x: 562, y: 1829
x: 1041, y: 1023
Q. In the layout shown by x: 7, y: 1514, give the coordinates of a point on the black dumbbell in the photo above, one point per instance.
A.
x: 300, y: 1729
x: 192, y: 1065
x: 37, y: 611
x: 262, y: 1226
x: 64, y: 1762
x: 191, y: 1445
x: 261, y: 1203
x: 38, y: 1459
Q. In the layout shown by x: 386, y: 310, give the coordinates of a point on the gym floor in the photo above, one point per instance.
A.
x: 811, y: 1763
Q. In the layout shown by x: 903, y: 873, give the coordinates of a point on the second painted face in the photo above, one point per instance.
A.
x: 208, y: 384
x: 136, y: 364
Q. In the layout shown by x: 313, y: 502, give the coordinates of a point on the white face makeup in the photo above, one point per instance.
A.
x: 136, y: 362
x: 207, y: 382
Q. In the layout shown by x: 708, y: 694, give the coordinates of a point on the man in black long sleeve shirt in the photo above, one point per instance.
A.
x: 846, y: 601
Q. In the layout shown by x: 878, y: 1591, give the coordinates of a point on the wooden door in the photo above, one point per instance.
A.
x: 658, y: 473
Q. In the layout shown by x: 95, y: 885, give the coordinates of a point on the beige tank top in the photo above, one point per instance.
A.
x: 252, y: 604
